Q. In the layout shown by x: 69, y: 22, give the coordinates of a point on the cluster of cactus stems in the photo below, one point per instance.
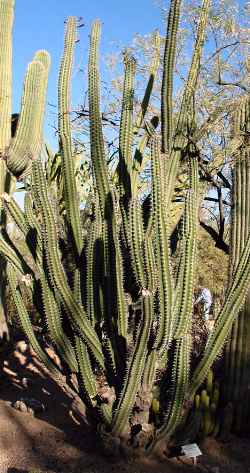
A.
x: 20, y: 144
x: 238, y: 348
x: 207, y: 403
x: 122, y: 313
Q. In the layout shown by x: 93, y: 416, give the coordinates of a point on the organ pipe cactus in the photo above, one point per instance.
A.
x: 237, y: 350
x: 122, y: 313
x: 18, y: 145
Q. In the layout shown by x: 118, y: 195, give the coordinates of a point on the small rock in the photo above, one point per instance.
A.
x: 214, y: 469
x: 32, y: 406
x: 36, y: 405
x: 25, y: 382
x: 22, y: 346
x: 20, y: 406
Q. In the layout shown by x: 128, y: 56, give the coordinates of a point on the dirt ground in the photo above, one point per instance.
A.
x: 54, y: 441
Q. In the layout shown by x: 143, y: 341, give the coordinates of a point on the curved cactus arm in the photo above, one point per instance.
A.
x: 235, y: 299
x: 34, y: 227
x: 26, y: 144
x: 11, y: 256
x: 180, y: 377
x: 185, y: 286
x: 135, y: 369
x: 167, y: 78
x: 64, y: 127
x: 24, y: 247
x: 165, y: 282
x: 44, y: 58
x: 54, y: 323
x: 96, y: 134
x: 15, y: 212
x: 149, y: 88
x: 25, y: 320
x: 56, y: 270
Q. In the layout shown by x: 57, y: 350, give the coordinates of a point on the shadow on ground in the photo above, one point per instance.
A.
x: 54, y: 441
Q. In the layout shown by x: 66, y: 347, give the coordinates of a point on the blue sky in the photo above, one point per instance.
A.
x: 40, y: 25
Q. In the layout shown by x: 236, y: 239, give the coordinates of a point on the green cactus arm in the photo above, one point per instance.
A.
x: 180, y: 375
x: 44, y: 58
x: 141, y: 248
x: 89, y: 382
x: 77, y: 285
x: 96, y: 134
x: 194, y: 68
x: 136, y: 238
x: 150, y: 370
x: 167, y: 78
x: 179, y: 140
x: 134, y: 370
x: 6, y: 24
x: 126, y: 130
x: 185, y: 287
x: 94, y: 274
x: 64, y: 128
x: 26, y: 144
x: 105, y: 302
x: 24, y: 246
x: 34, y: 234
x: 139, y: 161
x: 235, y: 298
x: 56, y: 270
x: 87, y: 376
x: 15, y: 212
x: 164, y: 332
x: 121, y: 301
x: 154, y: 66
x: 106, y: 199
x: 91, y: 277
x: 11, y: 256
x: 25, y: 320
x: 150, y: 263
x: 239, y: 196
x: 54, y: 323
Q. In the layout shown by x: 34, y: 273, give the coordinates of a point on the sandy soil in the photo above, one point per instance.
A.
x: 55, y: 441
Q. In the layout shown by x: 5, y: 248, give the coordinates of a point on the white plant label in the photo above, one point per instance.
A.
x: 191, y: 450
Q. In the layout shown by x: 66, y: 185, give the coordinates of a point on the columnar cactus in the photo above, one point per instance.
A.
x: 18, y: 151
x: 237, y: 350
x: 121, y: 313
